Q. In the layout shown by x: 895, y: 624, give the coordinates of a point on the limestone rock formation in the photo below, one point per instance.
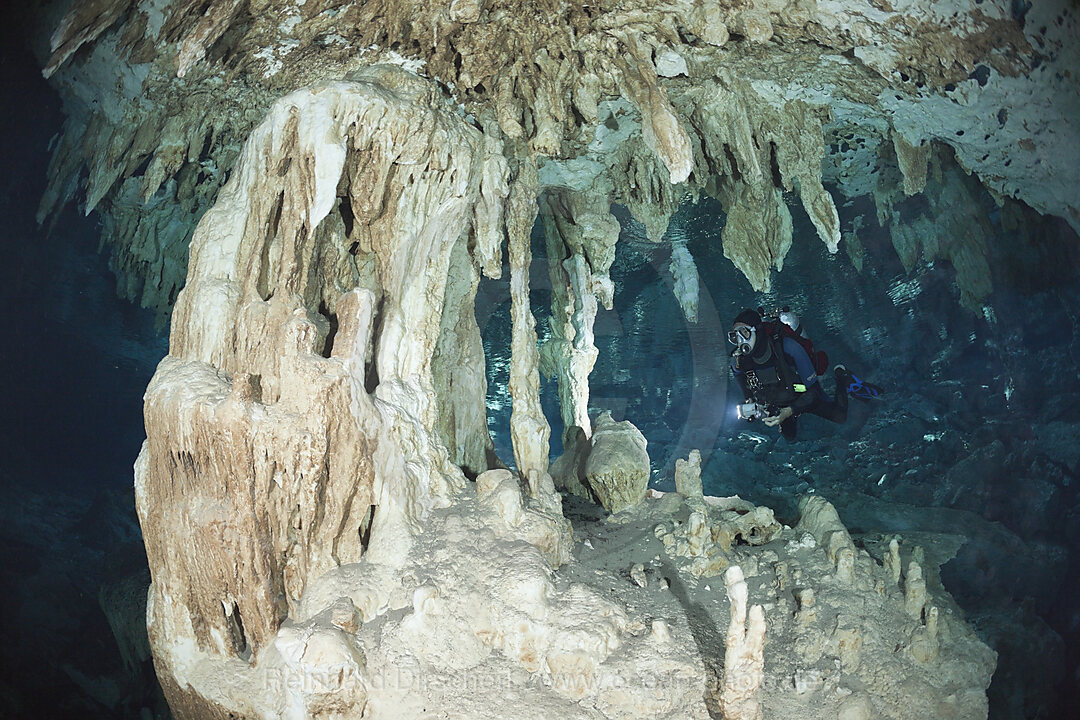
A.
x: 839, y: 642
x: 610, y: 468
x: 684, y: 272
x: 295, y: 486
x: 744, y: 661
x: 617, y: 102
x: 292, y: 428
x: 328, y: 182
x: 568, y: 470
x: 688, y: 475
x: 528, y: 425
x: 617, y: 469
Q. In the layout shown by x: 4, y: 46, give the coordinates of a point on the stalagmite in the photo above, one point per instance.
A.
x: 617, y: 469
x: 697, y: 532
x: 818, y: 517
x: 925, y: 643
x: 892, y: 561
x: 914, y: 590
x: 744, y: 659
x: 688, y: 475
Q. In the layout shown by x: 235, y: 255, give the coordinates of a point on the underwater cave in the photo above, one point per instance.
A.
x: 380, y: 359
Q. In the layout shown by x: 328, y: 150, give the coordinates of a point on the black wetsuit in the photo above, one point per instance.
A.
x: 766, y: 379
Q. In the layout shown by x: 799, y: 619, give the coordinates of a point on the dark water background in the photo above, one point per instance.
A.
x: 74, y: 361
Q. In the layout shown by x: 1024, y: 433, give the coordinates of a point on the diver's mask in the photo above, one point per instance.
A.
x: 743, y: 338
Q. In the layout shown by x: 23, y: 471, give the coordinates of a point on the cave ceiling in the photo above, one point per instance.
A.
x: 625, y: 101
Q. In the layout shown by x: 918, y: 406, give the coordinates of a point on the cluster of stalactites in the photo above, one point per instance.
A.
x: 540, y: 74
x: 541, y: 81
x: 752, y: 151
x: 949, y: 221
x: 743, y: 149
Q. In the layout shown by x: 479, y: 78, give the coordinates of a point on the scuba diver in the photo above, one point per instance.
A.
x: 778, y: 370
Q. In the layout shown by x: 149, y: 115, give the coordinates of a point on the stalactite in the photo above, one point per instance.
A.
x: 204, y: 33
x: 586, y: 226
x: 529, y: 428
x: 660, y: 126
x: 912, y: 160
x: 82, y: 24
x: 733, y: 117
x: 757, y: 234
x: 950, y: 225
x: 570, y: 353
x: 684, y: 273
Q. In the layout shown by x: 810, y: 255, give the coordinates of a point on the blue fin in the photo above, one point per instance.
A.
x: 861, y: 389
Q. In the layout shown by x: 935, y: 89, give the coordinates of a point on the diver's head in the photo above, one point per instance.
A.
x: 744, y: 331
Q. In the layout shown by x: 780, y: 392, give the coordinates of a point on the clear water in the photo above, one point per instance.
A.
x: 975, y: 433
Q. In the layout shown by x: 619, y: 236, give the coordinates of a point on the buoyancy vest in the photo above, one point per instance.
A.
x: 772, y: 382
x: 779, y: 330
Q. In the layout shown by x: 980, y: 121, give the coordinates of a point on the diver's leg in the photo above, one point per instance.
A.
x: 832, y: 410
x: 840, y: 396
x: 789, y: 429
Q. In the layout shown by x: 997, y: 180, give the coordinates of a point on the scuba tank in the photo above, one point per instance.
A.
x: 786, y: 322
x: 787, y: 316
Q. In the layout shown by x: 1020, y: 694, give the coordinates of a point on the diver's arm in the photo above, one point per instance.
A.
x: 774, y: 420
x: 740, y: 377
x: 807, y: 376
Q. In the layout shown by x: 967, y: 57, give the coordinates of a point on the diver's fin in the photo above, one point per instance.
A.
x: 859, y: 388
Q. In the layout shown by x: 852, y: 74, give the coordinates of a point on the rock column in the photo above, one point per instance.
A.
x: 529, y: 429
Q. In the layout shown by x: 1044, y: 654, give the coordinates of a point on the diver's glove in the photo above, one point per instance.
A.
x: 774, y: 420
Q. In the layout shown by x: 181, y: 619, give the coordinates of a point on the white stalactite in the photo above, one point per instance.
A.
x: 529, y: 429
x: 684, y: 272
